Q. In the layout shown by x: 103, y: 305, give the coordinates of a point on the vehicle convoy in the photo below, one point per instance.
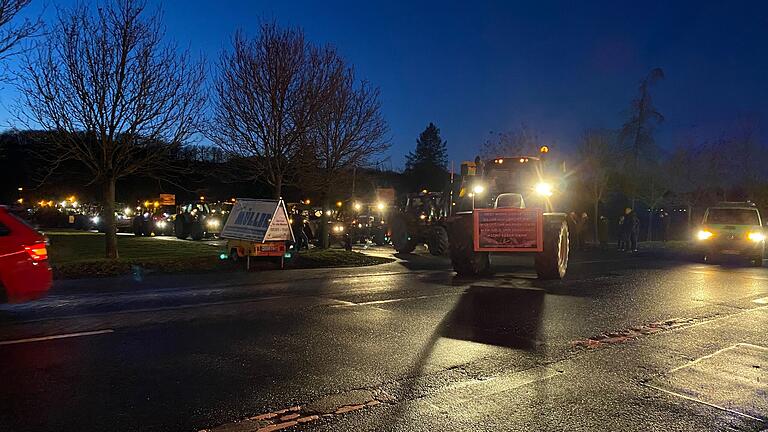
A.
x: 24, y: 270
x: 422, y: 221
x: 505, y: 205
x: 732, y: 229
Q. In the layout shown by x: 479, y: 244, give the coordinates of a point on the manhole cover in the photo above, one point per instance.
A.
x: 734, y: 379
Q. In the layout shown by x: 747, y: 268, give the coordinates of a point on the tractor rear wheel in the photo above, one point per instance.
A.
x: 402, y: 239
x: 552, y: 263
x: 180, y: 228
x: 196, y: 230
x: 438, y: 241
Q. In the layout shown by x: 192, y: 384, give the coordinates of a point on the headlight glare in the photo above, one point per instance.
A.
x: 756, y: 236
x: 704, y: 235
x: 544, y: 189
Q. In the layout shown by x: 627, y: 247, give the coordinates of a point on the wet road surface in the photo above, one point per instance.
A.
x: 625, y: 343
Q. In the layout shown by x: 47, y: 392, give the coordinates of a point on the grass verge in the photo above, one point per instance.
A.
x: 75, y: 255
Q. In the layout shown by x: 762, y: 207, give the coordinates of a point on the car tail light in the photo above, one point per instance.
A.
x: 37, y: 251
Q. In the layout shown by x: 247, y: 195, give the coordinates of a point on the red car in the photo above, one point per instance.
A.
x: 24, y: 270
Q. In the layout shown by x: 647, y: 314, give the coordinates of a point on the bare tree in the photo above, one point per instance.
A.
x: 11, y: 34
x: 597, y: 154
x: 350, y: 130
x: 269, y: 91
x: 119, y: 97
x: 637, y: 132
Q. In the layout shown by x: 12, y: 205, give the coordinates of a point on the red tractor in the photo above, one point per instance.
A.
x: 505, y: 205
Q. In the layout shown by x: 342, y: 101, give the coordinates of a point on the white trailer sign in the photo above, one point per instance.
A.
x: 258, y: 221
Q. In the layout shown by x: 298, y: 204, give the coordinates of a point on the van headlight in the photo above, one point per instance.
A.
x: 704, y: 235
x: 756, y: 236
x: 544, y: 189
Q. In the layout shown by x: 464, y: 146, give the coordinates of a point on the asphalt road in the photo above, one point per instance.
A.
x: 625, y: 343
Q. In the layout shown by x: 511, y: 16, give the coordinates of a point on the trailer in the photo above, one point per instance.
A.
x: 258, y: 228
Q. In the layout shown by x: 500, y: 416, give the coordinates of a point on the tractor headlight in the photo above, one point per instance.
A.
x: 544, y: 189
x: 212, y: 223
x: 704, y: 235
x: 756, y: 236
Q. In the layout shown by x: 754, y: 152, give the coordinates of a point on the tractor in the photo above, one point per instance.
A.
x: 152, y: 218
x: 421, y: 221
x: 505, y: 205
x: 200, y: 219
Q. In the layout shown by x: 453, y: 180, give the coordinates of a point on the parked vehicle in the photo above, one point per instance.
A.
x: 24, y: 270
x: 732, y: 229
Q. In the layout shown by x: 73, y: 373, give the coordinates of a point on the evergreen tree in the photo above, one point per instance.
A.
x: 425, y: 167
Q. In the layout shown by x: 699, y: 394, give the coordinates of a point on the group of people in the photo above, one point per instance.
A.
x: 629, y: 230
x: 578, y: 225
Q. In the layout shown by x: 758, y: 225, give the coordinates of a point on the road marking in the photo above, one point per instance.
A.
x: 375, y: 302
x: 53, y: 337
x: 763, y: 300
x: 693, y: 399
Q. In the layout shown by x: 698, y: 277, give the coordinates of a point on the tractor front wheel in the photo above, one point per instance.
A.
x: 402, y: 240
x: 552, y: 263
x: 438, y: 241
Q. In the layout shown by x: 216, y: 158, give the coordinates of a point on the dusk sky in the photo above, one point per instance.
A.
x: 559, y: 67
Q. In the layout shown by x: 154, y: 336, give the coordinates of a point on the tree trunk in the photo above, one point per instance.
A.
x: 650, y: 224
x: 279, y: 187
x: 596, y: 219
x: 324, y: 240
x: 109, y: 218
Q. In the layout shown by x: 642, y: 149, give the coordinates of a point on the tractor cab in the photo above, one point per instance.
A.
x: 483, y: 182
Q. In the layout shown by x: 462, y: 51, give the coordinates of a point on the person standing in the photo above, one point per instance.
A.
x: 631, y: 229
x: 622, y: 233
x: 602, y: 231
x: 666, y: 221
x: 573, y: 228
x: 583, y: 226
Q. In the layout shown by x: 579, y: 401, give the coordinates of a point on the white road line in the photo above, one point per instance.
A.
x: 53, y: 337
x: 346, y: 303
x: 693, y: 399
x: 762, y: 300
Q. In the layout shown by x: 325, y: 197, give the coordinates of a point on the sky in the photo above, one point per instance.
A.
x: 478, y: 67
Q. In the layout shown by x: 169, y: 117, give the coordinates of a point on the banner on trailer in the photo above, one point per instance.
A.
x: 258, y: 221
x: 508, y: 230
